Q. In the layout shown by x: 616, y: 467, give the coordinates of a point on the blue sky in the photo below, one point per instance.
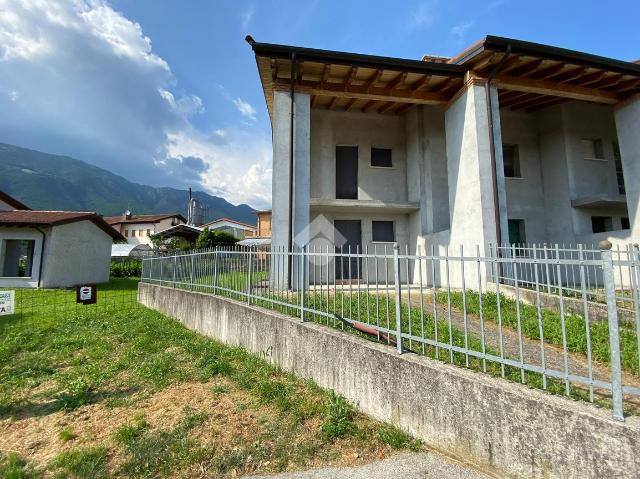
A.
x: 166, y: 92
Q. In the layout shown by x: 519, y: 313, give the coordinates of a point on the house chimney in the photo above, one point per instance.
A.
x: 126, y: 215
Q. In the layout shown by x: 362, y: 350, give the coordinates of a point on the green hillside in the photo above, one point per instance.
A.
x: 53, y: 182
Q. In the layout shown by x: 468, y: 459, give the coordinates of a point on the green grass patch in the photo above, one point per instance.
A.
x: 12, y: 466
x: 81, y: 463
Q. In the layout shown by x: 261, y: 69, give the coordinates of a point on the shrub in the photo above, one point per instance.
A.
x: 210, y: 238
x: 126, y: 269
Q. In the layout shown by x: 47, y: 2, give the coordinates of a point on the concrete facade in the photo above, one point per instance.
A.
x: 505, y: 427
x: 441, y: 191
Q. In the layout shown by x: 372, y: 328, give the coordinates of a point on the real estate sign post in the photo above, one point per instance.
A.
x: 7, y: 301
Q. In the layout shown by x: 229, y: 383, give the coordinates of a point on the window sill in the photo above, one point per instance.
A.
x: 602, y: 160
x: 383, y: 167
x: 514, y: 178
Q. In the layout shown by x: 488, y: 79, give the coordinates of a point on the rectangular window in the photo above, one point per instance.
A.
x: 601, y: 224
x: 18, y: 259
x: 592, y: 150
x: 624, y: 222
x: 619, y: 172
x: 126, y: 233
x: 148, y: 232
x: 511, y: 157
x: 383, y: 231
x: 133, y: 233
x: 517, y: 234
x: 381, y: 157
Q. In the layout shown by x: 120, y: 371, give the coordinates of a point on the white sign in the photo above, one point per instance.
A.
x: 7, y: 300
x: 85, y: 293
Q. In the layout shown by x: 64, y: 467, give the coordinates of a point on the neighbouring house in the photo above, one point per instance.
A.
x: 186, y: 232
x: 126, y: 251
x: 236, y: 228
x: 137, y: 229
x: 507, y: 142
x: 52, y: 249
x: 263, y: 226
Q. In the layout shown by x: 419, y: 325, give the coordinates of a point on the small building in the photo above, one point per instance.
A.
x: 137, y: 229
x: 185, y: 232
x: 53, y: 249
x: 236, y: 228
x: 263, y: 229
x: 126, y: 251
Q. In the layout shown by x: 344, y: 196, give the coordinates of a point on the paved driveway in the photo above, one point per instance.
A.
x: 426, y: 465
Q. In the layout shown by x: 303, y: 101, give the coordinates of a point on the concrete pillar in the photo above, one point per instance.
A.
x: 280, y: 232
x: 470, y: 172
x: 628, y: 127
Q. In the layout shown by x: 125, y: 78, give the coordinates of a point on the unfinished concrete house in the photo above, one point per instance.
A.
x: 507, y: 142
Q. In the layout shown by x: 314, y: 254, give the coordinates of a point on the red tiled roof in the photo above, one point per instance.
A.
x: 11, y: 201
x: 115, y: 220
x: 55, y: 218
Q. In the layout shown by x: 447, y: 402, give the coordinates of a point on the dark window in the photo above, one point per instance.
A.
x: 593, y: 149
x: 18, y: 259
x: 381, y: 157
x: 383, y: 231
x: 600, y: 224
x: 517, y: 234
x: 347, y: 172
x: 619, y: 173
x: 624, y: 222
x: 511, y: 157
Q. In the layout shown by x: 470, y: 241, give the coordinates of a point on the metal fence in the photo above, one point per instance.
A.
x: 546, y: 318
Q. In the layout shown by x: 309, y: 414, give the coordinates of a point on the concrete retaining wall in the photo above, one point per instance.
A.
x: 490, y: 422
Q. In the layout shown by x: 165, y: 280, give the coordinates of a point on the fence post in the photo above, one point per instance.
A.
x: 614, y: 336
x: 215, y: 269
x: 193, y: 267
x: 396, y: 278
x: 302, y: 291
x: 175, y: 267
x: 249, y: 271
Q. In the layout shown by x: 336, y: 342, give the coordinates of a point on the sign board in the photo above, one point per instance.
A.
x: 7, y: 302
x: 86, y: 294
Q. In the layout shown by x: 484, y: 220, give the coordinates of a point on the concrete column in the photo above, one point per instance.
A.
x: 628, y: 126
x: 280, y: 180
x: 470, y: 175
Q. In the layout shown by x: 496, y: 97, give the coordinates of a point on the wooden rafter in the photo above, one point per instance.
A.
x: 543, y: 87
x: 314, y: 100
x: 538, y: 102
x: 524, y: 97
x: 610, y: 81
x: 367, y: 106
x: 628, y: 85
x: 590, y: 79
x: 349, y: 78
x: 487, y: 62
x: 527, y: 68
x: 350, y: 104
x: 549, y: 71
x: 404, y: 108
x: 374, y: 79
x: 274, y: 69
x: 444, y: 85
x: 386, y: 107
x: 415, y: 86
x: 396, y: 81
x: 300, y: 71
x: 325, y: 75
x: 367, y: 93
x: 332, y: 103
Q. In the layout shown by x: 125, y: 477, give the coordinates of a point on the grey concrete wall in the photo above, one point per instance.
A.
x: 76, y: 253
x: 493, y: 423
x: 627, y: 121
x: 364, y: 130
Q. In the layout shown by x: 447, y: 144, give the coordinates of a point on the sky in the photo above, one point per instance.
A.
x: 166, y: 92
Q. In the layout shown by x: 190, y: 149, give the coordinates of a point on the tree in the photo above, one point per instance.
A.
x: 210, y: 238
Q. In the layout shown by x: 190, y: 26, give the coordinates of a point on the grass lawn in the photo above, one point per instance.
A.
x: 118, y: 390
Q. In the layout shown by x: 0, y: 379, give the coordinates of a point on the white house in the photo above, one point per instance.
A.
x: 52, y: 249
x: 509, y: 141
x: 137, y: 229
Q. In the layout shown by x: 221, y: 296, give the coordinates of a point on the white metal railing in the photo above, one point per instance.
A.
x: 545, y: 318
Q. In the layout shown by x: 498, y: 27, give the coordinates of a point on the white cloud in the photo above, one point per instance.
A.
x: 81, y: 79
x: 245, y: 108
x: 246, y: 17
x: 460, y: 31
x: 423, y: 16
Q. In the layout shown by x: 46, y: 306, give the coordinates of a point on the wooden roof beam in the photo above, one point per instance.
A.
x: 396, y: 81
x: 314, y: 100
x: 349, y: 78
x: 326, y: 71
x: 404, y: 108
x: 350, y: 104
x: 373, y: 79
x: 387, y: 107
x: 367, y: 106
x: 538, y: 102
x: 366, y: 93
x: 543, y: 87
x: 526, y: 69
x: 549, y: 71
x: 415, y: 86
x: 332, y: 103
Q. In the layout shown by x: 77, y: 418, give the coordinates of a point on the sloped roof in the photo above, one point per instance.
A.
x: 11, y: 201
x: 55, y: 218
x: 221, y: 220
x: 115, y: 220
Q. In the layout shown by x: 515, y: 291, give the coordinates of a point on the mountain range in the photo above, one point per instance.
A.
x: 53, y: 182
